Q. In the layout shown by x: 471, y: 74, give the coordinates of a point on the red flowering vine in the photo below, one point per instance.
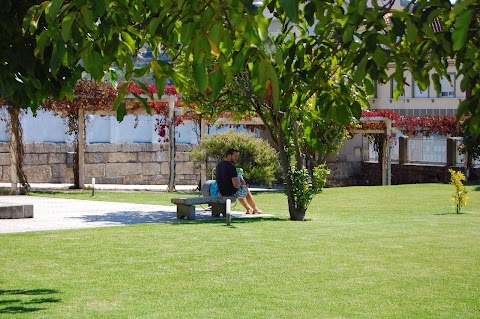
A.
x: 412, y: 125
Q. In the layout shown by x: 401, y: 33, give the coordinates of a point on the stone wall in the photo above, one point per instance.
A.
x: 408, y: 174
x: 116, y: 163
x: 344, y: 174
x: 147, y: 163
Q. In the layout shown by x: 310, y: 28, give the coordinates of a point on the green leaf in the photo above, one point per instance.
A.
x: 96, y: 65
x: 139, y: 72
x: 121, y: 111
x: 42, y: 41
x: 459, y: 34
x: 200, y: 71
x: 463, y: 107
x: 356, y: 109
x: 153, y: 5
x: 340, y: 114
x: 216, y: 33
x: 362, y: 7
x: 67, y: 23
x: 361, y: 71
x: 380, y: 58
x: 310, y: 13
x: 52, y: 10
x: 347, y: 35
x: 61, y: 52
x: 465, y: 83
x: 120, y: 97
x: 369, y: 87
x: 140, y: 99
x: 291, y: 9
x: 216, y: 82
x: 160, y: 84
x: 436, y: 82
x: 188, y: 31
x: 87, y: 17
x: 412, y: 31
x: 127, y: 39
x: 144, y: 88
x: 226, y: 69
x: 153, y: 25
x: 239, y: 61
x: 262, y: 23
x: 33, y: 15
x: 460, y: 6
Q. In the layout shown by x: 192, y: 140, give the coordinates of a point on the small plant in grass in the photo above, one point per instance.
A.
x: 302, y: 189
x: 459, y: 197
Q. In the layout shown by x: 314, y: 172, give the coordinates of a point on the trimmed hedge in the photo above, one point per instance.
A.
x: 257, y: 158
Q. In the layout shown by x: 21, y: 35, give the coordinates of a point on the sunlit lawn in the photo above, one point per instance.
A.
x: 366, y: 252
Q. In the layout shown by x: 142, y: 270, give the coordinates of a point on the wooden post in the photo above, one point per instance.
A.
x: 452, y: 151
x: 171, y: 140
x: 403, y: 150
x: 388, y: 158
x: 203, y: 167
x: 81, y: 148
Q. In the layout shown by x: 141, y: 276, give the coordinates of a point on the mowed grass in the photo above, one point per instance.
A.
x: 366, y: 252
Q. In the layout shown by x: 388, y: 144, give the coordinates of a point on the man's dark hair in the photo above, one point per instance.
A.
x: 230, y: 151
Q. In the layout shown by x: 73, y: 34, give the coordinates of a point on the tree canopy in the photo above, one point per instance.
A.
x: 24, y: 79
x: 328, y: 52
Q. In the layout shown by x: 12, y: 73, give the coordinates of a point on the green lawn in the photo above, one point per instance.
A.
x: 366, y: 252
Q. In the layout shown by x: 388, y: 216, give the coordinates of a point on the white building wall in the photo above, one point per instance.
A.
x: 408, y: 104
x: 46, y: 127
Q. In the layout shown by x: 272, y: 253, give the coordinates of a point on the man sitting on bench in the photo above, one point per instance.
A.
x: 230, y: 184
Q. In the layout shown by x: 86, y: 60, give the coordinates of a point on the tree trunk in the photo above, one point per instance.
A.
x: 296, y: 213
x: 17, y: 153
x: 273, y: 125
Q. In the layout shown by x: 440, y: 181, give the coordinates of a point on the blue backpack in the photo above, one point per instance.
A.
x: 210, y: 188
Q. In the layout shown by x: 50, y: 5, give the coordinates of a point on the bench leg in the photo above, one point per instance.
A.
x: 219, y: 209
x: 185, y: 211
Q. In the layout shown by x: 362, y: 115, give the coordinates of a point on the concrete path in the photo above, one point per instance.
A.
x: 56, y: 214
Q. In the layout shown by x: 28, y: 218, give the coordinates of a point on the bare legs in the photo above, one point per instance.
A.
x: 249, y: 203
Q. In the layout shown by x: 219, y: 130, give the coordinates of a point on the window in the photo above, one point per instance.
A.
x: 448, y: 87
x: 417, y: 92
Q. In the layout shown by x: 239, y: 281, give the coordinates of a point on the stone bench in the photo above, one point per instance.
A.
x: 9, y: 211
x: 186, y: 206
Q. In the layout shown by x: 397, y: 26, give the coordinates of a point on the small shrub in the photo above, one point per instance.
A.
x: 303, y: 190
x: 257, y: 158
x: 459, y: 197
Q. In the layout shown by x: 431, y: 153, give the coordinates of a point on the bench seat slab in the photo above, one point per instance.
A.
x: 186, y: 206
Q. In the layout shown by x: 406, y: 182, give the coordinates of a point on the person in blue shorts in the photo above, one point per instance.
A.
x: 231, y: 184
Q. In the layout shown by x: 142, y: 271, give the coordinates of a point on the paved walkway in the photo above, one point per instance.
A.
x: 56, y: 214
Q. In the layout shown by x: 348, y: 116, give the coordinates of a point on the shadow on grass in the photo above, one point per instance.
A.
x: 152, y: 217
x: 130, y: 217
x: 222, y: 220
x: 25, y: 302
